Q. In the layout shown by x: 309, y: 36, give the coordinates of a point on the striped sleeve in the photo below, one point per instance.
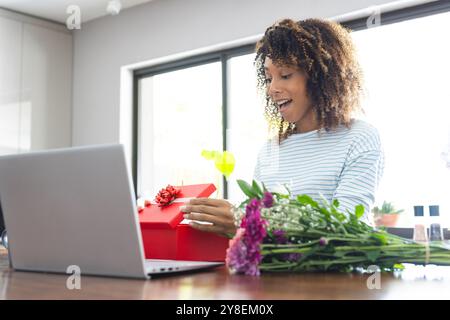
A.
x: 256, y: 172
x: 359, y: 181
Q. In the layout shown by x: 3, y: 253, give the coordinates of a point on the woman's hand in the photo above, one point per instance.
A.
x: 215, y: 211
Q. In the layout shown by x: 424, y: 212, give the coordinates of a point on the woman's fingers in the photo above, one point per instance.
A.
x: 203, y: 217
x: 202, y: 209
x: 223, y: 228
x: 208, y: 228
x: 216, y: 212
x: 220, y: 209
x: 209, y: 202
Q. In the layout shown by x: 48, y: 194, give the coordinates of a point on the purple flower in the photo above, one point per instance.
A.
x: 280, y: 236
x: 243, y: 254
x: 293, y: 257
x: 323, y: 241
x: 242, y: 258
x: 236, y: 259
x: 254, y: 225
x: 253, y: 206
x: 267, y: 200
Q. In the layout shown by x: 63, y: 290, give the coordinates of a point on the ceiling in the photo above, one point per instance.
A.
x: 55, y: 10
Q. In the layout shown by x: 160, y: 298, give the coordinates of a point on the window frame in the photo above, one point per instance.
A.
x: 223, y: 56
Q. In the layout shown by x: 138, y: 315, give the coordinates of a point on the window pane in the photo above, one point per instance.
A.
x: 180, y: 115
x: 406, y: 68
x: 247, y: 129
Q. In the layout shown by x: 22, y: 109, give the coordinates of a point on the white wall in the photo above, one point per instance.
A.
x: 161, y: 28
x: 35, y: 84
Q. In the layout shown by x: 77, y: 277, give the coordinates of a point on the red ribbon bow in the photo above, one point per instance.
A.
x: 166, y: 196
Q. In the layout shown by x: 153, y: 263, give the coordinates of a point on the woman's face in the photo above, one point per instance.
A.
x: 286, y: 86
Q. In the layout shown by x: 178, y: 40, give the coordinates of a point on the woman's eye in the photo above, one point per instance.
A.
x: 287, y: 76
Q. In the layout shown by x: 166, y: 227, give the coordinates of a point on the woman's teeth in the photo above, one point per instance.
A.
x: 283, y: 103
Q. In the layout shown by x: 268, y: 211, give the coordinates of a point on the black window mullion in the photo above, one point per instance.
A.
x: 177, y: 65
x: 135, y: 135
x: 224, y: 61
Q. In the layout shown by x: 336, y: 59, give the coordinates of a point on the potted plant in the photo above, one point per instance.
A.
x: 387, y: 215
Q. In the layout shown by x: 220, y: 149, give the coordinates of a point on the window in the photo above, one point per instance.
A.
x: 406, y: 67
x: 246, y: 124
x: 180, y: 114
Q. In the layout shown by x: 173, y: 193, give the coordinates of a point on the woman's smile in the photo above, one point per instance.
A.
x: 283, y: 105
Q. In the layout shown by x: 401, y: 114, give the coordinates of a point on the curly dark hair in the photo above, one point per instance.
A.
x: 324, y: 51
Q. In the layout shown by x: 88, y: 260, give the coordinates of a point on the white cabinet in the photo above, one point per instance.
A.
x: 10, y: 66
x: 35, y: 87
x: 46, y: 86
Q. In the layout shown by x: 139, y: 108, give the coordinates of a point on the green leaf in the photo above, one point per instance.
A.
x: 359, y: 211
x: 243, y: 204
x: 380, y: 237
x: 373, y: 255
x: 256, y: 189
x: 386, y: 208
x: 246, y: 188
x: 336, y: 203
x: 264, y: 187
x: 280, y: 195
x: 305, y: 199
x: 286, y: 186
x: 399, y: 266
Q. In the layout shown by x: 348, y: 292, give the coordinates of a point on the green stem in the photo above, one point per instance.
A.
x: 293, y: 245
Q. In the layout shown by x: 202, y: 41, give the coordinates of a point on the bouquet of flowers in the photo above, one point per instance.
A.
x: 279, y: 233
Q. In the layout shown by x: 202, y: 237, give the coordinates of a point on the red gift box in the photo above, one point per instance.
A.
x: 165, y: 238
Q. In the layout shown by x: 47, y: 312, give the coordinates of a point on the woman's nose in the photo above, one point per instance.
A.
x: 273, y: 88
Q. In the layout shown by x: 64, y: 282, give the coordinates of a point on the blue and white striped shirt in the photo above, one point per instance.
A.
x: 346, y: 164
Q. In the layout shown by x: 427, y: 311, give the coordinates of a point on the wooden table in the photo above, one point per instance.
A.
x: 218, y: 284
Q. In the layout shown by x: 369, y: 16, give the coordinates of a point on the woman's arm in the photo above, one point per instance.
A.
x: 359, y: 181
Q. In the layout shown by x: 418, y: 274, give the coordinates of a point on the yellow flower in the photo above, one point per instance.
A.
x: 224, y: 161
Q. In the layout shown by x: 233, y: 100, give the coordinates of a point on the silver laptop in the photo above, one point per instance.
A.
x: 76, y: 207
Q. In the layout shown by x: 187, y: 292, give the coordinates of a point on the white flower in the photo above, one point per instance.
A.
x: 281, y: 189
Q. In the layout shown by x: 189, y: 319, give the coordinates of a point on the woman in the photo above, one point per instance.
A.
x: 313, y: 83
